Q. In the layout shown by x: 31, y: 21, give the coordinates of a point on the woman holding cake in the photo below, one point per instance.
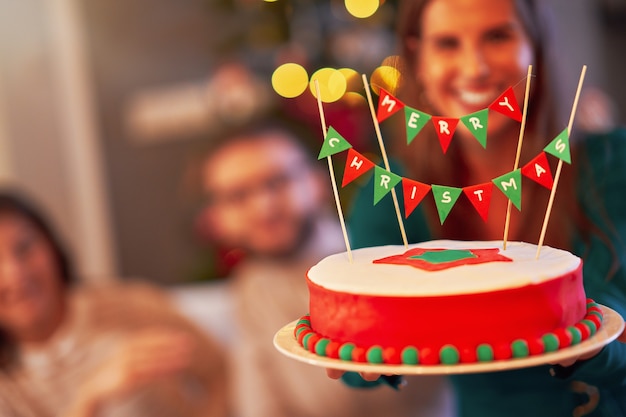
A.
x: 459, y: 56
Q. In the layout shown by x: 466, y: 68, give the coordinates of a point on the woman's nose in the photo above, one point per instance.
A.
x: 10, y: 270
x: 474, y: 64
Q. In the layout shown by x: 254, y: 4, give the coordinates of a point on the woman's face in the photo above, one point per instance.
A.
x: 31, y: 289
x: 469, y: 53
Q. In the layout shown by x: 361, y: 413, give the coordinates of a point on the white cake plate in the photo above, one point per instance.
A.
x: 612, y: 327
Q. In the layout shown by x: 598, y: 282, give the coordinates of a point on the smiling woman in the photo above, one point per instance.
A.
x: 34, y: 269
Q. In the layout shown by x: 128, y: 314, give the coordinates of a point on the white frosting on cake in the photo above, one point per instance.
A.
x: 362, y: 276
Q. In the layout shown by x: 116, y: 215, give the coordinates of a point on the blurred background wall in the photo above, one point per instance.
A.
x: 105, y: 104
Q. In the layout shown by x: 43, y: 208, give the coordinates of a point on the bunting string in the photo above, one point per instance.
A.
x: 480, y: 195
x: 356, y: 165
x: 476, y: 122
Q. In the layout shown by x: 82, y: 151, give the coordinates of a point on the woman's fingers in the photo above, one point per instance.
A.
x: 369, y: 376
x: 334, y: 373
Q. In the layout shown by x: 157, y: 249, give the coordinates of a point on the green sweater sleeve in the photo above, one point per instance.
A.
x: 601, y: 193
x: 376, y: 225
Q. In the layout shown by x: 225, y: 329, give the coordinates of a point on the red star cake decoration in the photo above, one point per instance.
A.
x: 440, y: 259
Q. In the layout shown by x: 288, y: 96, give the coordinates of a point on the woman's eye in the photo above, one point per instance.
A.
x: 23, y: 246
x: 446, y: 44
x: 498, y: 36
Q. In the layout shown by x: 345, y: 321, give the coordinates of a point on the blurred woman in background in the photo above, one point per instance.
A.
x: 77, y: 351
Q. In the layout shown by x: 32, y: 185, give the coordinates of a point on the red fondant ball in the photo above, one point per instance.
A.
x: 585, y: 332
x: 392, y: 356
x: 301, y: 336
x: 312, y: 342
x: 468, y: 355
x: 565, y: 338
x: 502, y: 351
x: 595, y: 319
x: 429, y: 356
x: 332, y: 350
x: 535, y: 346
x: 359, y: 354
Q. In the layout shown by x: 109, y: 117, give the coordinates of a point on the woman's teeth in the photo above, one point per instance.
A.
x: 474, y: 98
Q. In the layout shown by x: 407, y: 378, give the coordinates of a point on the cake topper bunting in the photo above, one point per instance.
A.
x: 385, y: 181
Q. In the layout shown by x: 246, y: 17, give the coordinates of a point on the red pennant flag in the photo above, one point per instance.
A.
x: 356, y: 165
x: 387, y: 105
x: 480, y: 196
x: 414, y: 192
x: 445, y: 127
x: 507, y: 105
x: 539, y: 171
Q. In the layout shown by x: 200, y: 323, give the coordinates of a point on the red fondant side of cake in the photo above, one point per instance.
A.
x: 467, y: 320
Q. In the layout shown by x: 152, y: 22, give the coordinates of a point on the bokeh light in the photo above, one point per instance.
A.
x: 290, y: 80
x: 332, y: 84
x: 386, y: 77
x: 362, y: 8
x: 353, y: 79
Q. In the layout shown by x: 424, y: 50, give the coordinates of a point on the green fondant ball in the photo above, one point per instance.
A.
x: 375, y: 354
x: 577, y: 336
x: 597, y: 314
x: 305, y: 340
x: 410, y: 356
x: 345, y: 351
x: 320, y: 347
x: 592, y: 326
x: 300, y: 330
x: 304, y: 321
x: 550, y: 342
x: 484, y: 353
x: 449, y: 355
x: 519, y: 348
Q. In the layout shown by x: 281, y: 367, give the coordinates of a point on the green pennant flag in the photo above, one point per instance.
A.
x: 384, y: 181
x: 445, y: 199
x: 415, y: 121
x: 333, y: 143
x: 559, y: 147
x: 511, y: 185
x: 477, y: 124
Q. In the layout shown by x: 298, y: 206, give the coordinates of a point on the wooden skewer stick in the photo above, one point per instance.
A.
x: 332, y: 173
x: 507, y: 222
x: 385, y: 159
x: 560, y: 165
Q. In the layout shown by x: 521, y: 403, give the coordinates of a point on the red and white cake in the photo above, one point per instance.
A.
x: 446, y: 302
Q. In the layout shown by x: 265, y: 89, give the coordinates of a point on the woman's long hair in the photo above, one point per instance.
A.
x: 16, y: 204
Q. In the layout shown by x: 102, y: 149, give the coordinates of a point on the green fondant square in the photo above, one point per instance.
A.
x: 444, y: 256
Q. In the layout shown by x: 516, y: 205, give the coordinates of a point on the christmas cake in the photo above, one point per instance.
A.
x: 446, y: 302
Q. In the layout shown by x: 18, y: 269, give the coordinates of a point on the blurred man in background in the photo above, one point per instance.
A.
x: 268, y: 198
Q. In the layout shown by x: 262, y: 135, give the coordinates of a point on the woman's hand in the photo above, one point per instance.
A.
x: 337, y: 373
x: 144, y: 357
